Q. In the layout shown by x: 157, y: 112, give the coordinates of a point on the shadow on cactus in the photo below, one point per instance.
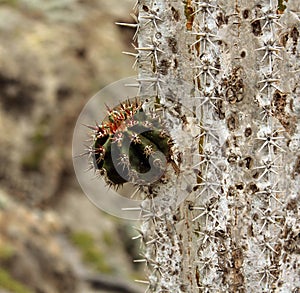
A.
x: 131, y: 146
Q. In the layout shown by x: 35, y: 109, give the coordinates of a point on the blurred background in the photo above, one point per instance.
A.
x: 54, y: 56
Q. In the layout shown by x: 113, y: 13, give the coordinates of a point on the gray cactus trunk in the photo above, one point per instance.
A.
x: 228, y: 74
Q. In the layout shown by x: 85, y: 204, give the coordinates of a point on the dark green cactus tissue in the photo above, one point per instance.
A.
x: 130, y: 146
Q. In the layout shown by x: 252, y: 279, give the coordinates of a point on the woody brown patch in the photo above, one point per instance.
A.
x: 287, y: 121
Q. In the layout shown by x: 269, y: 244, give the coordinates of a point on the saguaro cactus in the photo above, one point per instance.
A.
x: 227, y: 73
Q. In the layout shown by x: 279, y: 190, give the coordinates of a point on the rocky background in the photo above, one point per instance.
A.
x: 54, y: 55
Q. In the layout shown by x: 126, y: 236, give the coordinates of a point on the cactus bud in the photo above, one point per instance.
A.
x: 130, y: 146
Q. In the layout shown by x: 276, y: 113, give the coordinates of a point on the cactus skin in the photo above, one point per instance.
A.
x: 128, y: 144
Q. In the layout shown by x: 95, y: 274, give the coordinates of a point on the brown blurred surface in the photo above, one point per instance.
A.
x: 54, y: 55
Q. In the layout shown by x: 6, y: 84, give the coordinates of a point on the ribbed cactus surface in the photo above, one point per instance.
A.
x: 130, y: 145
